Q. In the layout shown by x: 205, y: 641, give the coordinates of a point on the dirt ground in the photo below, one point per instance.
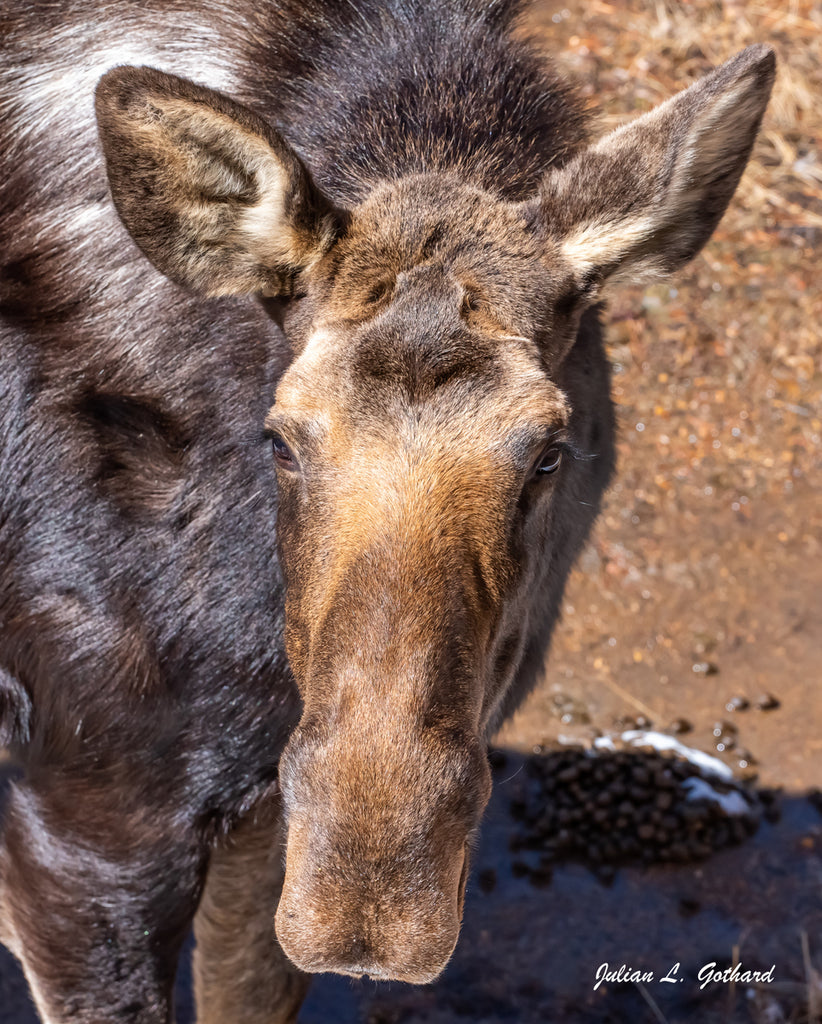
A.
x: 704, y: 578
x: 696, y: 606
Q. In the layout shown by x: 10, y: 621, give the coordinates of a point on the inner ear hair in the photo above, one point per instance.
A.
x: 643, y: 201
x: 213, y: 196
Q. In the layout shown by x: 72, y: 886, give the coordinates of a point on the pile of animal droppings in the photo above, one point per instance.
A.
x: 623, y: 807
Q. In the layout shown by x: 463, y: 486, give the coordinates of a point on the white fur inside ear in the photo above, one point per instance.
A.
x: 675, y: 163
x: 262, y: 226
x: 599, y: 244
x: 265, y: 229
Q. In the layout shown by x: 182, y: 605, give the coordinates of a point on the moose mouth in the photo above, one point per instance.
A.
x: 376, y: 871
x: 388, y: 940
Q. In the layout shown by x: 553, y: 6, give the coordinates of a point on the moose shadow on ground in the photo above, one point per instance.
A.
x: 622, y: 859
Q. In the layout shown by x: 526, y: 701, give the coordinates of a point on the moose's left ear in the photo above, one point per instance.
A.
x: 213, y: 196
x: 644, y: 200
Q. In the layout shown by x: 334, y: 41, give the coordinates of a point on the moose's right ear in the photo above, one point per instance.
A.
x: 642, y: 201
x: 211, y: 194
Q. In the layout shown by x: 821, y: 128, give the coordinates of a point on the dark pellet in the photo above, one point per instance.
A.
x: 680, y: 726
x: 738, y: 703
x: 487, y: 880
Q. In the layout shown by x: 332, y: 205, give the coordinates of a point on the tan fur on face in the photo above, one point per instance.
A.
x: 420, y: 484
x: 415, y: 424
x: 397, y: 913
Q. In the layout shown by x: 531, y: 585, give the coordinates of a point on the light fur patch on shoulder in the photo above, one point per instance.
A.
x: 55, y: 94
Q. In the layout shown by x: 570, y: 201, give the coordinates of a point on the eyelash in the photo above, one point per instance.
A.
x: 283, y: 455
x: 566, y: 449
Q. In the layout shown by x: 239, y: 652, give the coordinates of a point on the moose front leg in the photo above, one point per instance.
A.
x: 98, y: 899
x: 240, y: 973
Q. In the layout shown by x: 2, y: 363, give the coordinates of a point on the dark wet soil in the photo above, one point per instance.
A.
x: 530, y: 953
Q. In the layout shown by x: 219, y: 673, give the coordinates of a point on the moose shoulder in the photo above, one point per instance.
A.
x: 229, y: 628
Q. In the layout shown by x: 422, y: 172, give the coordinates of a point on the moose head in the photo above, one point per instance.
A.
x: 433, y: 439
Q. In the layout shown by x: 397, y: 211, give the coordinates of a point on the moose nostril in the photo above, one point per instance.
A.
x: 358, y: 950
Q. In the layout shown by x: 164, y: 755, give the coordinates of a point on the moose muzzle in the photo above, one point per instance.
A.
x: 379, y: 822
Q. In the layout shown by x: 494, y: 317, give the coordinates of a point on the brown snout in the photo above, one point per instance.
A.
x: 355, y: 923
x: 376, y: 858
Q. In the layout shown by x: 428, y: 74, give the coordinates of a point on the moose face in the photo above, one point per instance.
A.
x: 424, y: 447
x: 418, y: 437
x: 418, y: 434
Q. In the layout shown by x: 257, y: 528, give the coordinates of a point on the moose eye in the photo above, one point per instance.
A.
x: 549, y: 461
x: 282, y: 453
x: 470, y: 302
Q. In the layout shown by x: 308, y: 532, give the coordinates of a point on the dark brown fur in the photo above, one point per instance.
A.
x: 405, y: 205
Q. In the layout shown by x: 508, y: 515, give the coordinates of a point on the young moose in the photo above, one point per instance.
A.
x: 387, y: 215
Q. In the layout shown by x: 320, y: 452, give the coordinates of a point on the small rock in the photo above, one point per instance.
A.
x: 679, y: 727
x: 745, y: 758
x: 705, y: 668
x: 724, y: 736
x: 569, y: 710
x: 738, y: 703
x: 767, y: 702
x: 724, y: 728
